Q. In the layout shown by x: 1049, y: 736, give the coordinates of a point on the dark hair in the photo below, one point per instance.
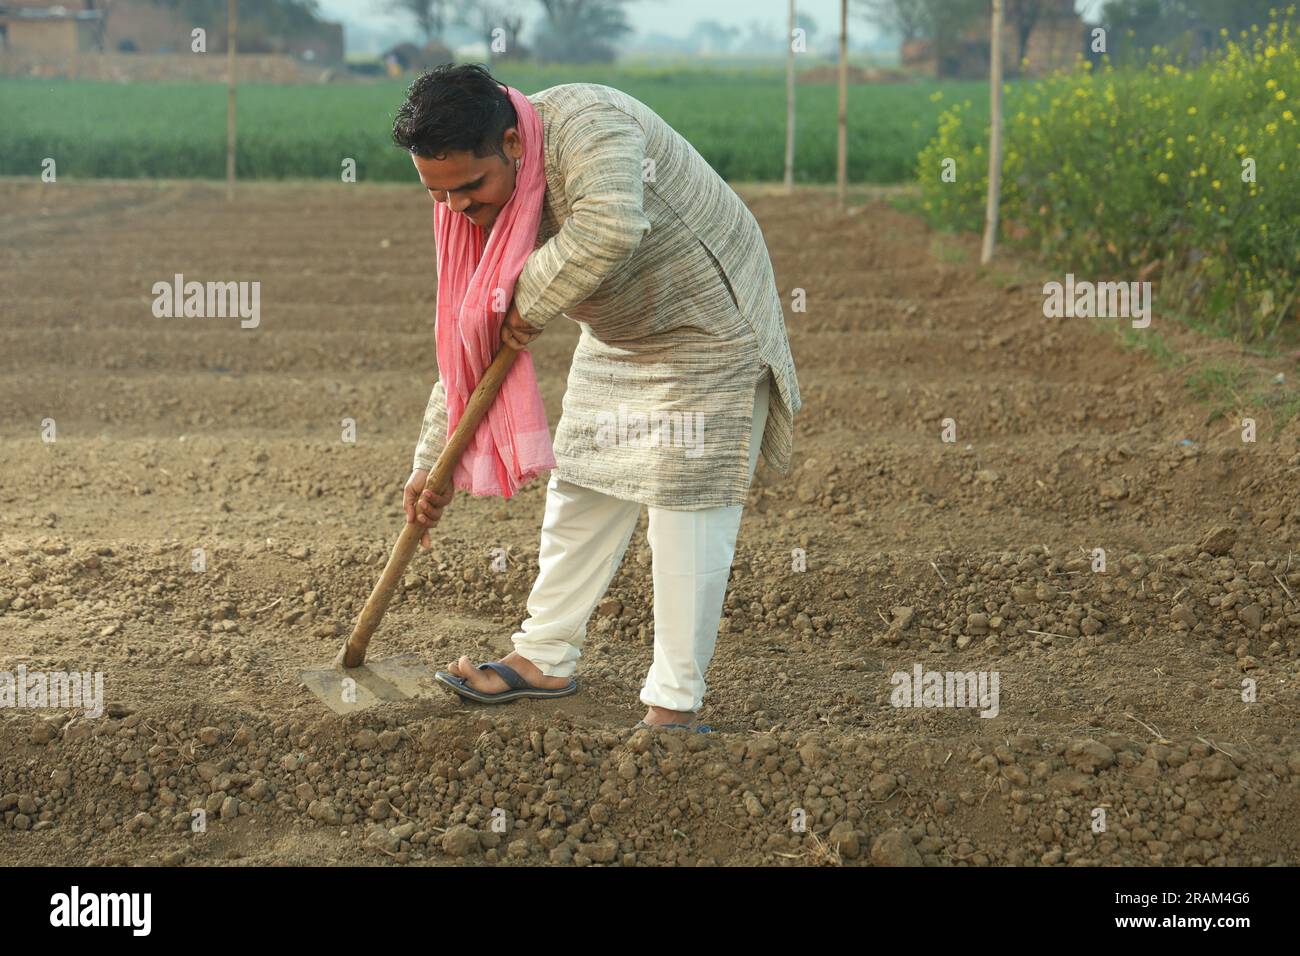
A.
x: 454, y: 109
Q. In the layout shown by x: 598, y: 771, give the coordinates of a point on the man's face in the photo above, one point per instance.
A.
x: 475, y: 186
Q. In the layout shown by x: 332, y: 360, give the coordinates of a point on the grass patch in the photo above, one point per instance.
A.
x: 946, y: 251
x: 1236, y: 388
x: 1152, y: 343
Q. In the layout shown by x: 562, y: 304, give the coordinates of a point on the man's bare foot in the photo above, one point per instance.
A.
x: 490, y: 682
x: 662, y: 715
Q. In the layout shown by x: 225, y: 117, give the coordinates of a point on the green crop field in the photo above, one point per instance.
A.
x: 736, y: 119
x: 1185, y: 169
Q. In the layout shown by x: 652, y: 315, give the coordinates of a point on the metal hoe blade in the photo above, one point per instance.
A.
x: 347, y: 690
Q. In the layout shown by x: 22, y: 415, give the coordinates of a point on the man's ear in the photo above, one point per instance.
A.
x: 512, y: 144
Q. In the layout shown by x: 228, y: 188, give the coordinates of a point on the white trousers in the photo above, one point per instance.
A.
x: 584, y: 536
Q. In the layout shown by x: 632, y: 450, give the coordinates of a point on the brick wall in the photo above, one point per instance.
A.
x: 53, y: 37
x: 179, y: 67
x: 151, y: 27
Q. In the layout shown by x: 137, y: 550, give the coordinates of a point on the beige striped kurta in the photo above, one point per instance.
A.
x: 666, y: 272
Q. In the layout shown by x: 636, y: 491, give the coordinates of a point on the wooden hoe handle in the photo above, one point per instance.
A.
x: 354, y: 651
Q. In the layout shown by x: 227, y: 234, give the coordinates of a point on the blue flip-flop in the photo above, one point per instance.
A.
x: 518, y: 686
x: 698, y: 728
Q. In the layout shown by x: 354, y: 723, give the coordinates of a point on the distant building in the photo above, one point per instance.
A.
x: 67, y: 27
x: 1057, y: 37
x: 139, y: 26
x: 49, y: 29
x: 322, y: 45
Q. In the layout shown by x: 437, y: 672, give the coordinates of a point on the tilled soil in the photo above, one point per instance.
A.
x: 1125, y: 731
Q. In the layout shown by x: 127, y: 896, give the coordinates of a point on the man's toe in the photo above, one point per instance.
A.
x: 469, y: 673
x: 464, y: 669
x: 485, y: 681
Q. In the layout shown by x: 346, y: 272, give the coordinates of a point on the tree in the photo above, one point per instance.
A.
x: 282, y: 17
x: 807, y: 24
x: 582, y: 31
x: 430, y: 16
x: 1234, y: 15
x: 1023, y: 15
x: 761, y: 39
x: 485, y: 17
x: 948, y: 18
x: 908, y: 19
x: 714, y: 36
x: 1193, y: 23
x: 936, y: 20
x: 105, y: 8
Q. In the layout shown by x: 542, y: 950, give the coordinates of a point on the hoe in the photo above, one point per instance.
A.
x: 351, y: 684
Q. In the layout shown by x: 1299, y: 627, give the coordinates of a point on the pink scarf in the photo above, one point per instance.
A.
x: 512, y: 442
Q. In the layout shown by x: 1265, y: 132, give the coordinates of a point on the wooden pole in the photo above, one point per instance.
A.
x: 995, y: 137
x: 789, y: 108
x: 232, y: 32
x: 842, y: 175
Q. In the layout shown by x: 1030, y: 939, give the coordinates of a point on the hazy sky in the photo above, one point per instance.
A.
x: 674, y: 17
